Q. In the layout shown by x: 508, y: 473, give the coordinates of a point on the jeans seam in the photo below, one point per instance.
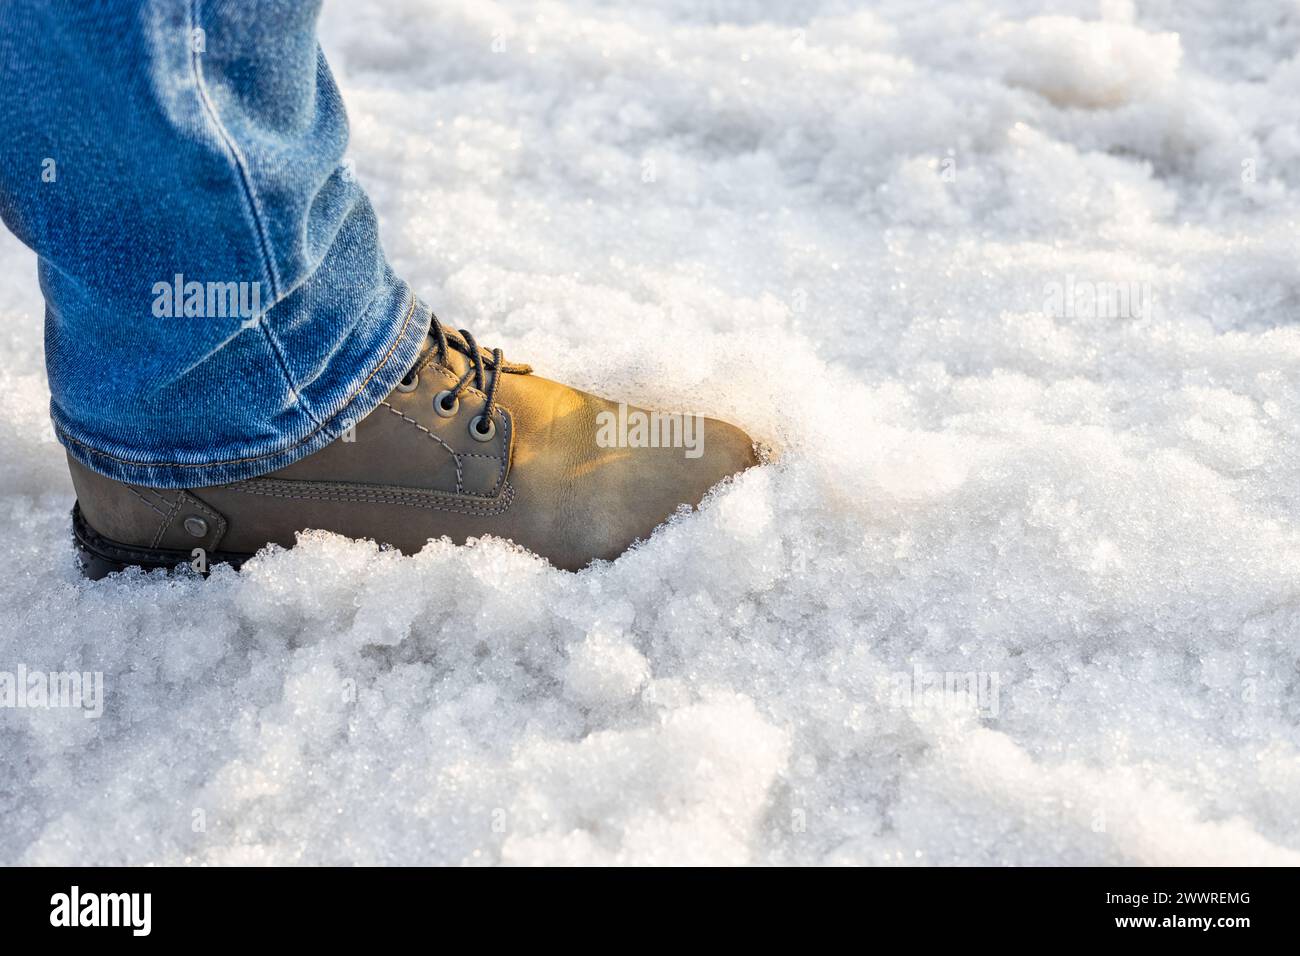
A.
x: 254, y: 213
x: 397, y: 340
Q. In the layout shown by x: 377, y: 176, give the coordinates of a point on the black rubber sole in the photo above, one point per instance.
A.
x: 102, y: 556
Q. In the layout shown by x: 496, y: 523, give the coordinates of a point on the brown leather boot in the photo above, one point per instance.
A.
x: 468, y: 445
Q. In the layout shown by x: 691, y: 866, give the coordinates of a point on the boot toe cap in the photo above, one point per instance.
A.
x: 731, y: 449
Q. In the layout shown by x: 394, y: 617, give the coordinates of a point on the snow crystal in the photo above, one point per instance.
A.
x: 1089, y: 63
x: 1009, y: 289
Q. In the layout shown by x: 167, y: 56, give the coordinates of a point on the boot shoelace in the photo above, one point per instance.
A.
x: 446, y: 402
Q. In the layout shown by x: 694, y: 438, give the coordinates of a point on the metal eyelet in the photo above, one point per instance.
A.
x: 477, y: 435
x: 440, y: 406
x: 405, y: 386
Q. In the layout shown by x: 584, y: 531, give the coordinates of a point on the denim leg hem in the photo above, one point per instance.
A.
x: 355, y: 394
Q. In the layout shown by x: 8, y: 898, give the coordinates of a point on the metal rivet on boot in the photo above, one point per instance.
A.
x: 196, y: 526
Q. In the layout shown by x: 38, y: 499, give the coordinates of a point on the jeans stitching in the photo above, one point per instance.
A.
x: 397, y: 340
x: 254, y: 212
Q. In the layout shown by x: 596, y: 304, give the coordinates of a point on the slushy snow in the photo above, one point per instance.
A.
x: 1010, y: 289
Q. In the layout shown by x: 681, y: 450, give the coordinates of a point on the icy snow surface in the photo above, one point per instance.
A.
x: 881, y: 238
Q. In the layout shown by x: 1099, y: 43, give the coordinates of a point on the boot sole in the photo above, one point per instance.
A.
x: 101, y: 556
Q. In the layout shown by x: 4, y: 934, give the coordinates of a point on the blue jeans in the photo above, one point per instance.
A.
x: 217, y: 301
